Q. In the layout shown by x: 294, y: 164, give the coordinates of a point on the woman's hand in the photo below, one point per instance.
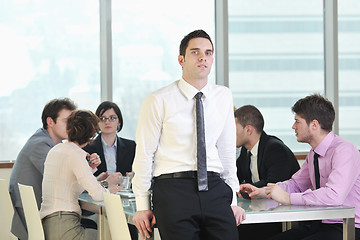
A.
x: 114, y: 188
x: 102, y: 176
x: 114, y: 178
x: 93, y: 160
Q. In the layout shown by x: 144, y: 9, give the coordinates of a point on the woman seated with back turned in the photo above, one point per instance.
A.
x: 67, y: 174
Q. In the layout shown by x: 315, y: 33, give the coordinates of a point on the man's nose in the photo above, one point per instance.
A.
x: 202, y: 57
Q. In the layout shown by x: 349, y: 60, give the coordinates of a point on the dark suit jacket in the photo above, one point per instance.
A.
x: 124, y: 155
x: 276, y: 162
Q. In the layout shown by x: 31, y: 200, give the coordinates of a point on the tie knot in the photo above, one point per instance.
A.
x: 249, y: 154
x: 316, y: 155
x: 198, y: 95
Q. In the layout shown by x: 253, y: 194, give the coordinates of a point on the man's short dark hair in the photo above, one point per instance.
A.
x: 53, y: 108
x: 316, y: 107
x: 195, y: 34
x: 82, y: 126
x: 104, y: 106
x: 250, y: 115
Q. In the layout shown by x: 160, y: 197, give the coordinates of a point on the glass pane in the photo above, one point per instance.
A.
x: 146, y: 48
x: 276, y: 57
x: 349, y: 70
x: 49, y: 49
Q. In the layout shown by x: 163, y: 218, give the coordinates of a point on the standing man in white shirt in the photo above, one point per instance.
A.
x: 185, y: 204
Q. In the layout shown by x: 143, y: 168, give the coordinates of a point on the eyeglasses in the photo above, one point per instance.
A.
x: 111, y: 119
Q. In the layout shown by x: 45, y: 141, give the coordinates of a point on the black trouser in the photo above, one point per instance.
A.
x: 182, y: 212
x: 320, y: 231
x: 133, y: 232
x: 259, y: 231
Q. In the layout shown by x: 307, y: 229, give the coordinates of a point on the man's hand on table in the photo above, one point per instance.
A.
x: 276, y: 193
x: 254, y: 192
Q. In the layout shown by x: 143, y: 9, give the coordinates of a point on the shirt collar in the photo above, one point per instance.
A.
x: 324, y: 144
x: 254, y: 150
x: 104, y: 143
x: 189, y: 91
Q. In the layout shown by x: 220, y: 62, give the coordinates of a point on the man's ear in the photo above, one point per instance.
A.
x: 249, y: 129
x: 181, y: 60
x: 50, y: 122
x: 314, y: 124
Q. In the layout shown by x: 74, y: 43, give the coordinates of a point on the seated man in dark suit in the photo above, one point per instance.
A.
x: 263, y: 159
x: 270, y: 160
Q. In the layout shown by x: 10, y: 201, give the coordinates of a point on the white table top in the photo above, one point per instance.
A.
x: 265, y: 210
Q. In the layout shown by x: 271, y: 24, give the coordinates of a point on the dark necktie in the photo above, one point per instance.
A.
x: 201, y: 147
x: 248, y: 156
x: 316, y: 168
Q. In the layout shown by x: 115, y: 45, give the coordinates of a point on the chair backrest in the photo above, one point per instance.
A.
x: 116, y: 217
x: 6, y: 211
x: 32, y: 216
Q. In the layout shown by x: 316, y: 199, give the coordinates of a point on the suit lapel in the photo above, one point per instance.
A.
x: 120, y: 154
x: 262, y: 143
x: 100, y: 150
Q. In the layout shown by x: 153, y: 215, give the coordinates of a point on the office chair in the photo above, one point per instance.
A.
x: 32, y: 216
x: 6, y: 212
x: 116, y: 217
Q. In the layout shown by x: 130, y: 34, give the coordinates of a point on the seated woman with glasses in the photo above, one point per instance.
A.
x: 116, y: 153
x: 67, y: 174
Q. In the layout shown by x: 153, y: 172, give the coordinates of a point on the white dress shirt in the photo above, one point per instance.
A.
x: 254, y: 163
x: 66, y: 175
x: 166, y: 136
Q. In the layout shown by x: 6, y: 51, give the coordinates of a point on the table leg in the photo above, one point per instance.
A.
x: 100, y: 227
x: 103, y: 226
x: 349, y: 228
x: 286, y: 226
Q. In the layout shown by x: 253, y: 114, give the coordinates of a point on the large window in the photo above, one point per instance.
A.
x: 349, y: 70
x: 276, y: 57
x: 49, y: 49
x: 146, y: 48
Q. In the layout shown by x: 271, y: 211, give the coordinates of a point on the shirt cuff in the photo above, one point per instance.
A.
x: 142, y: 203
x: 296, y: 199
x: 234, y: 201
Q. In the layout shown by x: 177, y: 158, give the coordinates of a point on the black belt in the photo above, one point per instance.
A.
x: 187, y: 174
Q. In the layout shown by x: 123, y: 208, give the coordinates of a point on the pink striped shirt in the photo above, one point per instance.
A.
x: 339, y: 164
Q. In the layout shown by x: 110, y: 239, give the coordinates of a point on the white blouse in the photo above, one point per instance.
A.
x: 66, y: 175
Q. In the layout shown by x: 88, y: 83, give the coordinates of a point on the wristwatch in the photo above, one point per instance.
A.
x: 104, y: 184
